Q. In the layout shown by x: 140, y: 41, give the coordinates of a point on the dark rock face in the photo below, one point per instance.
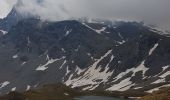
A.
x: 10, y: 20
x: 14, y: 17
x: 109, y: 56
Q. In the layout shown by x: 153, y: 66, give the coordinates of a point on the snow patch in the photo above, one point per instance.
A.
x: 45, y: 66
x: 101, y: 30
x: 66, y: 94
x: 138, y: 88
x: 13, y: 89
x: 63, y: 64
x: 119, y: 62
x: 78, y: 70
x: 162, y: 76
x: 141, y: 67
x: 98, y: 31
x: 28, y: 87
x: 91, y: 75
x: 122, y: 86
x: 68, y: 32
x: 119, y: 76
x: 162, y: 80
x: 165, y: 67
x: 157, y: 88
x: 165, y: 74
x: 15, y: 56
x: 121, y: 42
x: 63, y: 49
x: 28, y: 41
x: 152, y: 49
x: 4, y: 84
x: 3, y: 32
x: 67, y: 71
x: 112, y: 57
x: 23, y: 63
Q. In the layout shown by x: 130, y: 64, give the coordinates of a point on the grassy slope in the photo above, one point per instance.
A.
x: 62, y: 92
x: 47, y: 92
x: 162, y: 94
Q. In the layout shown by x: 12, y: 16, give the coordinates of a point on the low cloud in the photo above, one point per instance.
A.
x: 150, y: 11
x: 5, y: 7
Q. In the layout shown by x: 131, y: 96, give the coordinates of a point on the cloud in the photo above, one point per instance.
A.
x: 151, y: 11
x: 5, y: 7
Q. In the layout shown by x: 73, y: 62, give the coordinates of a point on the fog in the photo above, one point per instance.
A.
x: 5, y: 7
x: 151, y: 11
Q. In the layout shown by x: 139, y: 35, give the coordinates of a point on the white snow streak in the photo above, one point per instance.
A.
x: 138, y: 88
x: 28, y: 87
x: 13, y: 89
x: 15, y: 56
x: 68, y: 32
x: 91, y: 75
x: 162, y: 76
x: 165, y: 74
x: 159, y: 81
x: 78, y: 70
x: 121, y: 86
x: 63, y: 64
x: 126, y: 84
x: 44, y: 67
x: 4, y: 84
x: 101, y: 30
x: 67, y: 71
x: 165, y: 67
x: 152, y: 49
x: 66, y: 94
x: 98, y: 31
x: 3, y: 32
x: 142, y: 68
x: 157, y: 88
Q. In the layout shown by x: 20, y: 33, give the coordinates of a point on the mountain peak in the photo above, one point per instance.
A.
x: 14, y: 17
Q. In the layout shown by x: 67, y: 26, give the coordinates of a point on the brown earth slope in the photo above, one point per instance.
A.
x: 47, y: 92
x: 162, y: 94
x: 62, y: 92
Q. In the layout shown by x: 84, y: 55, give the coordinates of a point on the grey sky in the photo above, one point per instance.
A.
x: 151, y: 11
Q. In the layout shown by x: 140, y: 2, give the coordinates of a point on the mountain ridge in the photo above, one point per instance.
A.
x: 85, y: 55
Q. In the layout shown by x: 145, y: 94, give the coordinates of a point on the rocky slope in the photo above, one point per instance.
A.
x: 102, y: 55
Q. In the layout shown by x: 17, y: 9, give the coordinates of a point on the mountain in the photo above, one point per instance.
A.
x: 13, y: 17
x: 100, y: 55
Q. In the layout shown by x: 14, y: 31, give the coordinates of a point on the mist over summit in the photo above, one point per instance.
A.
x: 150, y: 11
